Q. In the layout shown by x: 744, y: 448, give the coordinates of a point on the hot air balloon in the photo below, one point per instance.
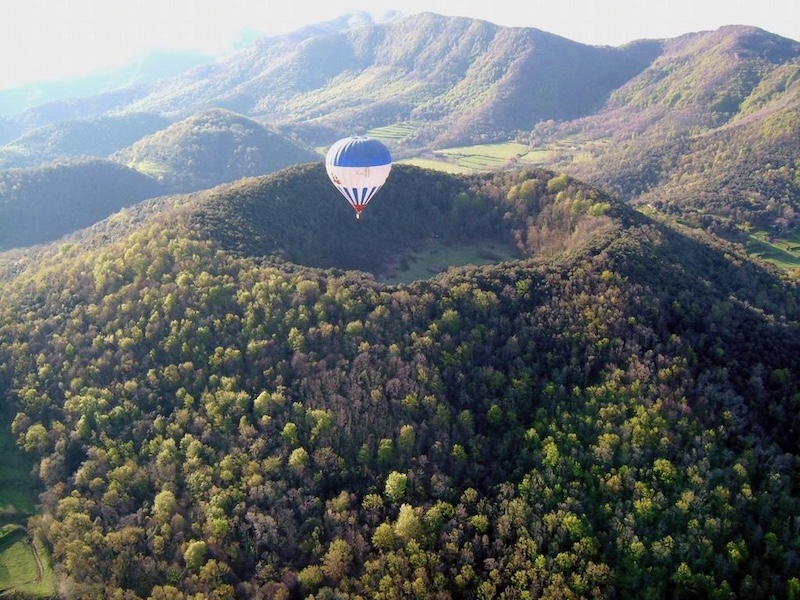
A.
x: 358, y: 167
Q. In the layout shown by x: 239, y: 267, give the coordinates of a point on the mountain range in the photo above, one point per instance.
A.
x: 655, y: 121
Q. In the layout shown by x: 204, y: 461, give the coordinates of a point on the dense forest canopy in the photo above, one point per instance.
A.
x: 613, y: 415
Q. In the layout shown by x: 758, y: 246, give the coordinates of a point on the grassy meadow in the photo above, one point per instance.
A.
x: 433, y: 257
x: 149, y: 167
x: 398, y: 131
x: 17, y: 493
x: 485, y: 157
x: 782, y: 251
x: 502, y: 155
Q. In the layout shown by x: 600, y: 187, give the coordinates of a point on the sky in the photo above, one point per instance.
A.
x: 48, y: 39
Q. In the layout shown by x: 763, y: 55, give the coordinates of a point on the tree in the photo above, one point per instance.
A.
x: 164, y: 506
x: 310, y: 579
x: 395, y: 487
x: 385, y: 452
x: 406, y: 440
x: 195, y: 555
x: 299, y: 459
x: 36, y: 439
x: 408, y: 525
x: 337, y: 560
x: 383, y: 538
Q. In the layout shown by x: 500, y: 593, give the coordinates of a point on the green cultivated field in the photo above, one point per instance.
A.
x: 18, y: 566
x: 17, y: 496
x: 486, y: 157
x: 25, y: 569
x: 437, y: 165
x: 149, y: 167
x: 506, y: 155
x: 783, y: 252
x: 490, y: 156
x: 398, y: 131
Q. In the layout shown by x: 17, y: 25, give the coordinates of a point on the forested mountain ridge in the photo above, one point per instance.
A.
x: 42, y: 203
x: 615, y: 416
x: 709, y: 76
x: 426, y: 68
x: 442, y: 72
x: 470, y: 75
x: 78, y: 137
x: 139, y: 76
x: 707, y: 132
x: 140, y: 73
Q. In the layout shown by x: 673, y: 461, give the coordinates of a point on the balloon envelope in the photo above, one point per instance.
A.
x: 358, y: 167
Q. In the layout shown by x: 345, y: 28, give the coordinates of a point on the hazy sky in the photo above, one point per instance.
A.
x: 49, y: 38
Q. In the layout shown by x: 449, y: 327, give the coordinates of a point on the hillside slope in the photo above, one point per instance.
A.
x: 615, y: 417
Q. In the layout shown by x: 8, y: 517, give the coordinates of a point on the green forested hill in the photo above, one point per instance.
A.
x: 78, y: 137
x: 298, y: 216
x: 708, y: 132
x: 613, y: 416
x: 41, y: 204
x: 210, y: 148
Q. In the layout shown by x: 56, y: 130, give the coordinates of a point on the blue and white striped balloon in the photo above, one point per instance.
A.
x: 358, y: 167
